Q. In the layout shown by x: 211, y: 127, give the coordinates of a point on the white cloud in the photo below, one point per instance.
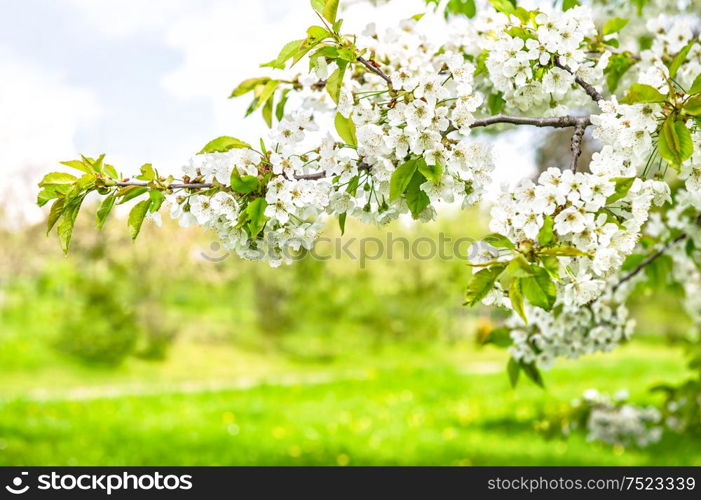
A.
x: 39, y: 117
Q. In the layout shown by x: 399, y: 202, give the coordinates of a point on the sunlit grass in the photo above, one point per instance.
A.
x: 427, y: 409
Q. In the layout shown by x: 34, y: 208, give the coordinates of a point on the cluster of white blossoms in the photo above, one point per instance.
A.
x: 613, y: 421
x: 521, y: 57
x: 427, y: 115
x: 585, y: 215
x: 671, y: 35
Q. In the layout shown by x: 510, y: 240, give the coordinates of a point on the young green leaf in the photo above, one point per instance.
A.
x: 335, y: 81
x: 674, y: 142
x: 614, y: 25
x: 157, y: 198
x: 563, y: 252
x: 288, y: 51
x: 147, y: 173
x: 55, y: 214
x: 342, y: 222
x: 255, y: 214
x: 623, y: 185
x: 680, y: 58
x: 104, y: 210
x: 516, y: 297
x: 693, y: 106
x: 546, y: 234
x: 433, y: 173
x: 498, y: 240
x: 481, y: 283
x: 65, y: 226
x: 136, y: 217
x: 247, y: 85
x: 416, y: 199
x: 513, y: 368
x: 539, y: 289
x: 78, y: 165
x: 243, y: 184
x: 224, y: 144
x: 346, y: 129
x: 533, y: 373
x: 401, y: 178
x: 641, y: 93
x: 696, y: 86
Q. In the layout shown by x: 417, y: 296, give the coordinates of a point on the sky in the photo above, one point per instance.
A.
x: 140, y: 80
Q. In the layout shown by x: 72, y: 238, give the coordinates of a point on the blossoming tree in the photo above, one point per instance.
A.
x: 376, y: 125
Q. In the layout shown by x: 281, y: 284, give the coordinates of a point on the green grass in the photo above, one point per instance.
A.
x: 432, y: 407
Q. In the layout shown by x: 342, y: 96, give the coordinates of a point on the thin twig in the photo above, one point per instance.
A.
x: 370, y: 66
x: 652, y: 258
x: 588, y: 87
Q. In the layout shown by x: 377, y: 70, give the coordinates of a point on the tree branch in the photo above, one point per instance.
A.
x: 579, y: 122
x: 577, y: 145
x: 588, y: 88
x: 371, y: 67
x: 556, y: 122
x: 649, y: 260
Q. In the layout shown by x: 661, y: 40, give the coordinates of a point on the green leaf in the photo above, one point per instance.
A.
x: 255, y: 214
x: 623, y: 185
x: 78, y: 165
x: 674, y: 142
x: 496, y: 103
x: 57, y: 179
x: 330, y: 10
x: 243, y: 184
x: 346, y: 129
x: 268, y: 112
x: 130, y: 192
x: 563, y: 252
x: 518, y: 267
x: 696, y: 86
x: 104, y: 210
x: 679, y: 59
x: 147, y: 173
x: 551, y: 264
x: 401, y: 178
x: 546, y: 234
x: 416, y: 199
x: 498, y: 240
x: 247, y: 85
x: 335, y: 81
x: 618, y: 65
x: 640, y: 93
x: 136, y: 217
x: 342, y: 222
x: 539, y: 289
x: 513, y: 368
x: 533, y: 373
x: 516, y: 297
x: 55, y: 213
x: 503, y: 6
x: 280, y: 108
x: 65, y: 226
x: 614, y: 25
x: 433, y: 173
x: 481, y: 283
x: 266, y: 93
x: 288, y: 51
x: 223, y: 144
x: 157, y: 198
x: 569, y: 4
x: 693, y: 106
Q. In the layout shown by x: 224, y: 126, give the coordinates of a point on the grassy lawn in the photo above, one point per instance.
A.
x: 431, y: 407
